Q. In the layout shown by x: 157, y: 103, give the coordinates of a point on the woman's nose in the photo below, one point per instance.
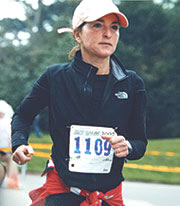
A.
x: 107, y: 33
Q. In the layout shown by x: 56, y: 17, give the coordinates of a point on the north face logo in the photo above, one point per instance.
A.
x: 121, y: 95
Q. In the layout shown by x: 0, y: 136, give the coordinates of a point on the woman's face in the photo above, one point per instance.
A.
x: 99, y: 38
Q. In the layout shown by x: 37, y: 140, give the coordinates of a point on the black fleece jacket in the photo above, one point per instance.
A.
x: 66, y: 89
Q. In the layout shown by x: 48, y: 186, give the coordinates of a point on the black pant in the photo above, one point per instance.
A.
x: 66, y: 199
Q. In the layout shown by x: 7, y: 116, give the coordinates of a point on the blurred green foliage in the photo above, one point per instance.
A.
x: 150, y: 46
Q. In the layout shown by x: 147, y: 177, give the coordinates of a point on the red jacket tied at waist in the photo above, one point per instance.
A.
x: 54, y: 185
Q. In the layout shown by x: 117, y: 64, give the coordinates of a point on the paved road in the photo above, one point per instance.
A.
x: 135, y: 194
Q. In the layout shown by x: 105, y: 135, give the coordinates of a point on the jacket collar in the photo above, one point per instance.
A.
x: 117, y: 69
x: 82, y: 66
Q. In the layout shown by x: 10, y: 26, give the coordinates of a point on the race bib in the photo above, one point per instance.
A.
x: 88, y: 152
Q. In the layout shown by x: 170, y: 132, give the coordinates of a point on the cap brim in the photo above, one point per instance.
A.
x: 122, y: 18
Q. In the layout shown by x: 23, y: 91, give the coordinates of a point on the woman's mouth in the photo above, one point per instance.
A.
x: 105, y: 43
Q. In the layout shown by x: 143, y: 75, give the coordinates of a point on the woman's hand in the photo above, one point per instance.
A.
x: 119, y: 145
x: 23, y: 154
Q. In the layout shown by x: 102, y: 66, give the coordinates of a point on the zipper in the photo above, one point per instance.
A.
x: 88, y: 75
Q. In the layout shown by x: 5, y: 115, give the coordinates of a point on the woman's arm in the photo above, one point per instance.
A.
x: 36, y: 100
x: 137, y: 124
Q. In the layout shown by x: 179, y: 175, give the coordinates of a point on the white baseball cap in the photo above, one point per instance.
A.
x: 91, y: 10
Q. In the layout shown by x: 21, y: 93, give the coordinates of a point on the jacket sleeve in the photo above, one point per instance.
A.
x: 37, y: 99
x: 137, y: 124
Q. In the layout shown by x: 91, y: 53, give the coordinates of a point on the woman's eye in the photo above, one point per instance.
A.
x: 97, y: 25
x: 115, y: 27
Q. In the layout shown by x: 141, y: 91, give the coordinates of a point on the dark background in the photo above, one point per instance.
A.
x: 150, y: 46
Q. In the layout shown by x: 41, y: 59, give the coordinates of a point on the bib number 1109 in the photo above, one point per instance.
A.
x: 99, y: 146
x: 88, y: 152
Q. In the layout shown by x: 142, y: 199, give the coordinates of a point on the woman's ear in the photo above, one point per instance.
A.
x: 76, y: 34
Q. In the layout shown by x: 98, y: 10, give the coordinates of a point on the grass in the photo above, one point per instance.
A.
x: 163, y: 146
x: 37, y: 164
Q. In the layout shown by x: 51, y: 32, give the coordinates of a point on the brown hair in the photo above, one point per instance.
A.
x: 76, y: 47
x: 73, y: 51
